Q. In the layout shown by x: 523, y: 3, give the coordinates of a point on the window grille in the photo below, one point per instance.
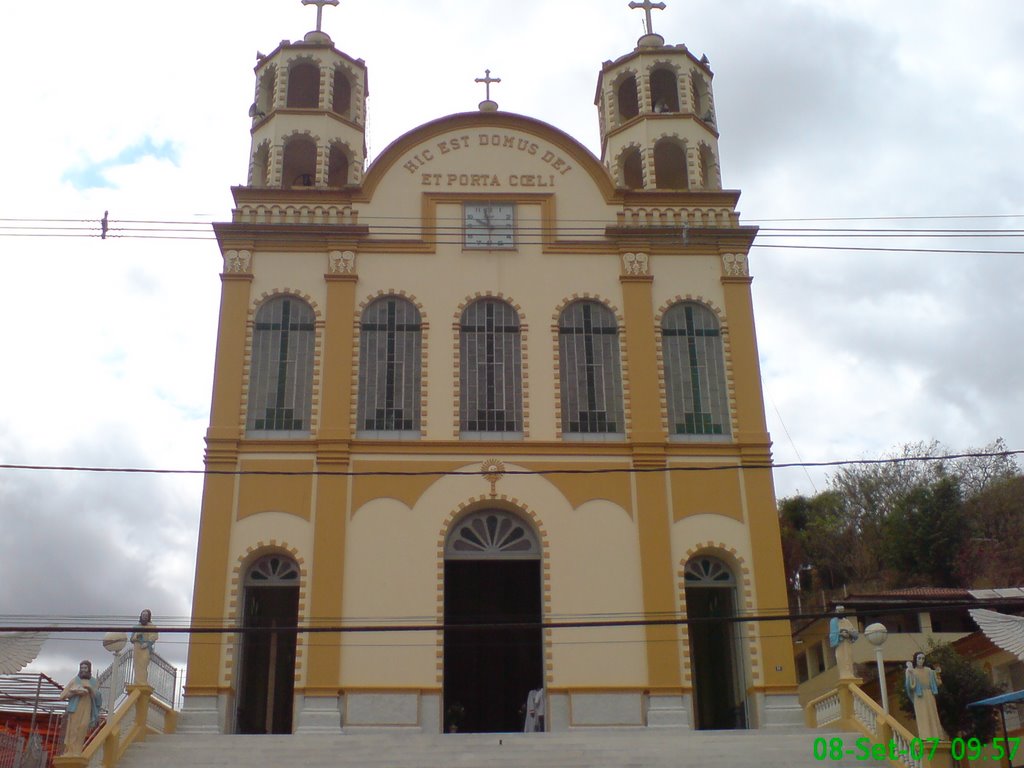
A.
x: 492, y: 534
x: 272, y: 571
x: 708, y: 571
x: 390, y: 353
x: 695, y: 383
x: 490, y: 380
x: 281, y: 382
x: 588, y: 342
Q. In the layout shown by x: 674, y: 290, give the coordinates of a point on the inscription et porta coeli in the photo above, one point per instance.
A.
x: 427, y: 154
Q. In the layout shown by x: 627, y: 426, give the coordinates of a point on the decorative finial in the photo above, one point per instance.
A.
x: 493, y: 470
x: 320, y: 9
x: 647, y: 5
x: 487, y: 105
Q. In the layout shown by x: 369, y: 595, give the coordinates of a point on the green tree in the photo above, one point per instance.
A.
x: 960, y: 684
x: 926, y: 535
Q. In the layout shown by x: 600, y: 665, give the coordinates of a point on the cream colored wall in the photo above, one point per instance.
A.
x: 699, y: 277
x: 302, y: 272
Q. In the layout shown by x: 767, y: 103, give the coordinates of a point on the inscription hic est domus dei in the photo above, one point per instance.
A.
x: 426, y: 159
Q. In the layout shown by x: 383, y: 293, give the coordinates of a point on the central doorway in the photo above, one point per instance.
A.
x: 267, y: 682
x: 493, y: 648
x: 718, y: 674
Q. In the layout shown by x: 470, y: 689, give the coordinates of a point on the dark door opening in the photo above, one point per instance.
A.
x: 718, y: 700
x: 267, y: 682
x: 488, y: 672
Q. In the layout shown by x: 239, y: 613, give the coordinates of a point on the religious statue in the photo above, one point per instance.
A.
x: 922, y: 684
x: 535, y: 706
x: 143, y: 639
x: 842, y: 634
x: 84, y: 702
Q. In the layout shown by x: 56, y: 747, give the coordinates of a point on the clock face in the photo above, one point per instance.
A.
x: 489, y: 225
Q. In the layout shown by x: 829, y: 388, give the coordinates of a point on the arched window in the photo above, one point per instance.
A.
x: 390, y: 352
x: 492, y: 534
x: 342, y: 102
x: 281, y: 381
x: 260, y: 166
x: 304, y: 86
x: 633, y: 169
x: 701, y: 98
x: 628, y: 101
x: 337, y: 166
x: 695, y: 385
x: 669, y: 165
x: 265, y: 94
x: 490, y: 380
x: 299, y: 162
x: 588, y: 345
x: 664, y: 91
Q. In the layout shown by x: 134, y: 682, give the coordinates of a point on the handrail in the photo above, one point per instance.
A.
x: 118, y: 733
x: 848, y: 708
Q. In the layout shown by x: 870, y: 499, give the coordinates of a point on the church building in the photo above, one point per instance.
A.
x: 487, y: 420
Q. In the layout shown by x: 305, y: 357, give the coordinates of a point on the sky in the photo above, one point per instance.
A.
x: 869, y: 113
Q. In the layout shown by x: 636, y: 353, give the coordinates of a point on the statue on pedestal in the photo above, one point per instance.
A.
x: 842, y: 634
x: 144, y: 637
x: 922, y: 684
x: 84, y: 702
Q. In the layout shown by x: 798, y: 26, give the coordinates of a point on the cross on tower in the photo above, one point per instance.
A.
x: 319, y: 9
x: 648, y: 6
x: 487, y: 81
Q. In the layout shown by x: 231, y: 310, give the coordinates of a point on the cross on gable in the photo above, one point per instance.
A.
x: 487, y: 81
x: 648, y: 6
x: 319, y: 9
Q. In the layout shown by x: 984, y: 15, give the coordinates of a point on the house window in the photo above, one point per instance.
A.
x: 390, y: 353
x: 490, y: 379
x: 588, y: 344
x: 695, y: 383
x: 281, y: 382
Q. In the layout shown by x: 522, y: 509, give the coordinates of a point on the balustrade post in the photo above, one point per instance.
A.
x: 111, y: 748
x: 811, y: 716
x: 845, y: 703
x: 942, y: 757
x: 141, y: 709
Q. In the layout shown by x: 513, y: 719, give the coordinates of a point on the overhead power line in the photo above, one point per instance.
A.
x: 512, y: 472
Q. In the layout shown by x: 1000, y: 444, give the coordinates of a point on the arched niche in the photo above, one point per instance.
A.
x: 664, y: 90
x: 299, y: 162
x: 627, y: 98
x: 632, y: 168
x: 342, y: 99
x: 670, y: 165
x: 303, y: 85
x: 337, y: 166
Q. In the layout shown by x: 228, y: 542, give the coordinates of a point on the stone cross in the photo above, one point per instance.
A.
x: 487, y: 81
x: 320, y: 9
x: 647, y: 5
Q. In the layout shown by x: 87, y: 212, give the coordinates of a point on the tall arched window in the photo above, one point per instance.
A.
x: 337, y: 166
x: 664, y: 91
x: 490, y: 380
x: 390, y: 352
x: 281, y: 382
x: 265, y: 94
x: 342, y: 101
x: 695, y: 385
x: 669, y: 165
x: 628, y: 101
x: 304, y: 86
x: 588, y: 345
x: 633, y: 169
x: 299, y: 162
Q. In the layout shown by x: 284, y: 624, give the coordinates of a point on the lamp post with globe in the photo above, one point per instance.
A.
x: 877, y: 635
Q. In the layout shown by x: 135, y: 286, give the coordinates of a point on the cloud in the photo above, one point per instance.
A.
x: 93, y: 175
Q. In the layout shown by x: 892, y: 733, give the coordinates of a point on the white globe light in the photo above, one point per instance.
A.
x: 115, y: 641
x: 876, y: 633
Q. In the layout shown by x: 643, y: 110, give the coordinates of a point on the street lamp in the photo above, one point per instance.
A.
x: 876, y: 634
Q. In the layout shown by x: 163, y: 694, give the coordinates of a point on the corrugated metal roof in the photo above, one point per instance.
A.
x: 26, y: 692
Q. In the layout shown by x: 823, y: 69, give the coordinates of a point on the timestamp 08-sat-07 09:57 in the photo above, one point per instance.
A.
x: 835, y: 749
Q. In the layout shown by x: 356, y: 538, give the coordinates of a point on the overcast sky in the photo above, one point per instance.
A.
x: 827, y: 109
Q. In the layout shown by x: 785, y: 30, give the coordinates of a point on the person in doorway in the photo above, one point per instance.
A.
x: 143, y: 639
x: 84, y: 702
x: 922, y: 685
x: 842, y: 634
x: 535, y: 707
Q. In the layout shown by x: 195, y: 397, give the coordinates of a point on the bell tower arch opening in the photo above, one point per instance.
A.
x: 719, y: 695
x: 266, y: 680
x: 303, y: 85
x: 670, y: 165
x: 493, y: 647
x: 664, y: 90
x: 626, y: 98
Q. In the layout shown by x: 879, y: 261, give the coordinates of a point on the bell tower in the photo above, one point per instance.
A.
x: 657, y: 116
x: 309, y: 115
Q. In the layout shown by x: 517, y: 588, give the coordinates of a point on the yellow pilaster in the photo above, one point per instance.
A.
x: 219, y: 490
x: 332, y: 490
x: 763, y: 518
x: 663, y: 669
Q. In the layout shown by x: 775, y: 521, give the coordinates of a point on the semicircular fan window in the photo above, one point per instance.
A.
x: 273, y: 570
x: 492, y: 534
x: 708, y: 572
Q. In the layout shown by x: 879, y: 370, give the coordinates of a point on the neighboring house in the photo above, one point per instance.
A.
x: 915, y: 618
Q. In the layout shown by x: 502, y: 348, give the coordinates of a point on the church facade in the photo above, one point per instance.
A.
x: 487, y: 420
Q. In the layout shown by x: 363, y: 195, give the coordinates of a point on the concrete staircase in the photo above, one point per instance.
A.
x: 574, y: 749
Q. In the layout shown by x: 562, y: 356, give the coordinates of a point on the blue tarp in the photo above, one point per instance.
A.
x: 995, y: 701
